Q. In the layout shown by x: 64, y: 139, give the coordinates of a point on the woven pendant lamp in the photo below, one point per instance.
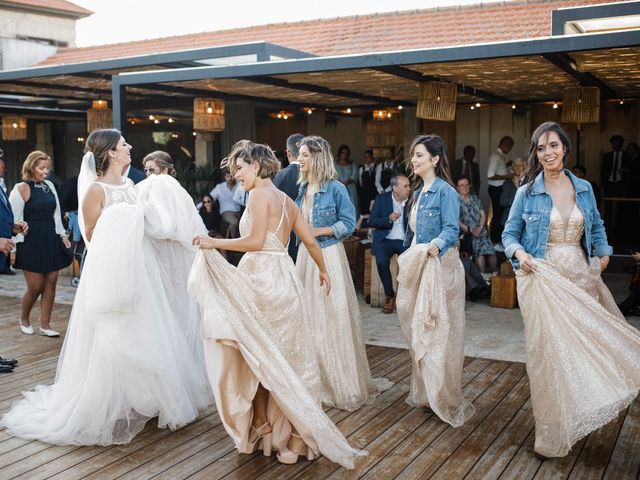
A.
x: 437, y: 101
x: 14, y: 128
x: 581, y: 105
x: 99, y: 116
x: 208, y: 115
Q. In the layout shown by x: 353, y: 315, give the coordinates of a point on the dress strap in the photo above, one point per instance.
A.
x: 284, y: 212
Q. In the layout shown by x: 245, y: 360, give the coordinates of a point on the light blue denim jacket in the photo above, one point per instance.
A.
x: 438, y: 216
x: 527, y: 227
x: 331, y: 208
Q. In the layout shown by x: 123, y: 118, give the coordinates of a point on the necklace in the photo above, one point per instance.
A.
x: 43, y: 186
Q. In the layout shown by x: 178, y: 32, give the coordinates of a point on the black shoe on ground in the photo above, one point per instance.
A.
x: 8, y: 271
x: 6, y: 368
x: 8, y: 361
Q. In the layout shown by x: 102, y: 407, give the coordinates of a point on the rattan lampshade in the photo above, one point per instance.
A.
x: 581, y: 105
x: 208, y: 115
x: 14, y: 128
x: 437, y: 101
x: 99, y: 116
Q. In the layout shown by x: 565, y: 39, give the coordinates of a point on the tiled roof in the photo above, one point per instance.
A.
x: 56, y: 5
x: 493, y: 22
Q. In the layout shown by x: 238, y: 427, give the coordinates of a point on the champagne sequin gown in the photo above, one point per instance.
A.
x: 583, y: 359
x: 342, y: 359
x: 256, y: 332
x: 430, y: 303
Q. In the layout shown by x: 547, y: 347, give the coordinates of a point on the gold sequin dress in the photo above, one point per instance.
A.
x: 430, y: 303
x: 342, y: 359
x: 256, y: 332
x: 583, y: 359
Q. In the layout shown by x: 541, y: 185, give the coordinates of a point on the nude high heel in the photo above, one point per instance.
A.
x: 290, y: 457
x: 264, y: 433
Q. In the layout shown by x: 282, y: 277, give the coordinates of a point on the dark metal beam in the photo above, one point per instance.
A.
x: 419, y: 77
x: 565, y: 63
x: 150, y: 59
x: 560, y: 17
x: 308, y: 87
x: 373, y: 60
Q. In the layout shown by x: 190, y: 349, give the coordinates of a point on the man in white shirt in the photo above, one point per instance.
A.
x: 497, y: 173
x: 230, y: 209
x: 389, y: 218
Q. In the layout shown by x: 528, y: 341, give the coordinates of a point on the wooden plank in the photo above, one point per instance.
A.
x: 555, y: 468
x: 87, y: 460
x: 502, y: 450
x: 594, y: 458
x: 477, y: 372
x: 523, y: 466
x: 625, y: 460
x: 428, y: 462
x: 464, y: 458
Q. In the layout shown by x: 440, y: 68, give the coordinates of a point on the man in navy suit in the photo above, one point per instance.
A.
x: 287, y: 181
x: 389, y: 218
x: 7, y: 229
x: 134, y: 174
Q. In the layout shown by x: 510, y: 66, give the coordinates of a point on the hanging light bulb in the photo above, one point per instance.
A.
x: 285, y: 116
x: 400, y: 107
x: 513, y: 107
x: 151, y: 117
x: 478, y: 105
x: 388, y: 114
x: 621, y: 102
x: 472, y: 107
x: 349, y: 110
x: 156, y: 121
x: 14, y: 125
x: 279, y: 115
x: 309, y: 111
x: 170, y: 120
x: 555, y: 105
x: 209, y: 108
x: 194, y: 134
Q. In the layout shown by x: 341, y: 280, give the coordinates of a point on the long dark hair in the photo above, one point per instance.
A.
x: 435, y: 146
x: 534, y: 167
x: 100, y: 142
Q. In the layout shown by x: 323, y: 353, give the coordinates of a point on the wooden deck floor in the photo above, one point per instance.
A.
x: 402, y: 442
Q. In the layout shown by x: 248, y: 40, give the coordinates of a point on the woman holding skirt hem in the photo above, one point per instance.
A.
x: 258, y: 345
x: 583, y: 359
x: 431, y: 290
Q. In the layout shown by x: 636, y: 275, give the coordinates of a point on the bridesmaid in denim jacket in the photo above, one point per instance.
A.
x: 325, y: 204
x: 583, y: 359
x: 431, y: 286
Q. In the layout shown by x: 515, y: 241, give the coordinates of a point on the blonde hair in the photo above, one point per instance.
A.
x: 31, y: 163
x: 251, y: 153
x: 162, y: 159
x: 322, y: 169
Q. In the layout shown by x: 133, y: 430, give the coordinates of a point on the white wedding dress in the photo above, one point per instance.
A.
x: 127, y: 355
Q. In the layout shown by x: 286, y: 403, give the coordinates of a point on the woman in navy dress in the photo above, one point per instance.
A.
x: 45, y: 250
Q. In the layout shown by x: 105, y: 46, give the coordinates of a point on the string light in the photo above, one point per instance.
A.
x: 156, y: 121
x: 151, y: 117
x: 555, y: 105
x: 400, y: 107
x: 513, y: 107
x: 478, y: 104
x: 348, y: 110
x: 309, y: 111
x: 170, y: 120
x: 472, y: 107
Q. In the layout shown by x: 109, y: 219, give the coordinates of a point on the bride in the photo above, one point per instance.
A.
x: 125, y: 358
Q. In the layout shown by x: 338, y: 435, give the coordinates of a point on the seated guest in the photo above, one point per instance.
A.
x: 581, y: 172
x: 509, y: 188
x: 476, y: 286
x: 389, y: 218
x: 210, y: 214
x: 473, y: 220
x: 630, y: 304
x: 467, y: 167
x: 225, y: 194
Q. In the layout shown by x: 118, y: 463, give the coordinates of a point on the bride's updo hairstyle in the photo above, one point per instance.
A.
x: 251, y: 153
x: 100, y: 142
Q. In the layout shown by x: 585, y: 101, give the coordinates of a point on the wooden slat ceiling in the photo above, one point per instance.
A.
x: 524, y: 79
x: 518, y: 79
x: 262, y: 91
x: 619, y: 68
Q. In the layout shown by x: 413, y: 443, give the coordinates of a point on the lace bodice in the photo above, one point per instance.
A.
x: 569, y: 232
x: 124, y: 193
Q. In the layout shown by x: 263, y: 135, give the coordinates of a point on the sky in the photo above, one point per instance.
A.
x: 118, y: 21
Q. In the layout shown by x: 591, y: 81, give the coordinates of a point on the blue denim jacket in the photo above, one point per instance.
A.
x: 331, y: 208
x: 528, y: 224
x: 438, y: 216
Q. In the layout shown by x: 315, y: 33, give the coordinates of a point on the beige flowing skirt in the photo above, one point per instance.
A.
x: 255, y: 333
x: 341, y: 355
x: 583, y: 359
x: 430, y: 304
